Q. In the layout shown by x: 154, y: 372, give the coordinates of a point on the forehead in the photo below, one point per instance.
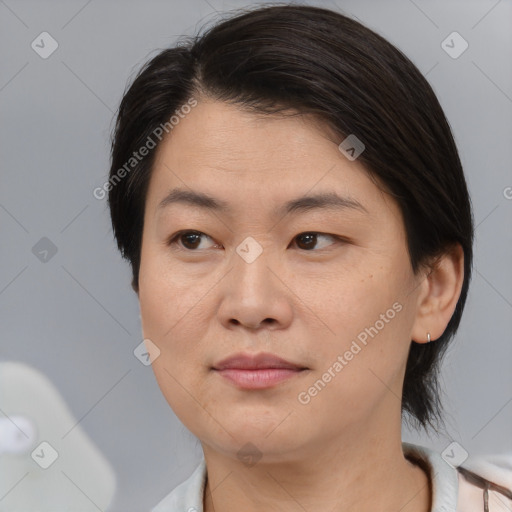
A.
x: 253, y: 161
x: 230, y: 134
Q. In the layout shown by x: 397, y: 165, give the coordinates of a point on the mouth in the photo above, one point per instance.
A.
x: 258, y: 371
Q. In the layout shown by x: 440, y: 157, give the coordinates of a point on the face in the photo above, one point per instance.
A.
x: 324, y: 284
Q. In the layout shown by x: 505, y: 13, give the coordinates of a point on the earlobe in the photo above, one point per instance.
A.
x: 441, y: 292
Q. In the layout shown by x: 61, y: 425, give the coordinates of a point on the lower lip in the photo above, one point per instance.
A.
x: 257, y: 379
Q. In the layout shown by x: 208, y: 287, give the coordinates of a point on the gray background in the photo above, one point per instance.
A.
x: 75, y: 317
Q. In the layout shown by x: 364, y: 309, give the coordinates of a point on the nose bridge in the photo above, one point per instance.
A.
x: 252, y: 260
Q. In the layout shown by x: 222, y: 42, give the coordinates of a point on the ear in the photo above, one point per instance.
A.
x: 440, y: 291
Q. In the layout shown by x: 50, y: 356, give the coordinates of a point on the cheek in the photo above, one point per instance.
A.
x: 362, y: 327
x: 343, y: 304
x: 168, y: 319
x: 166, y: 307
x: 178, y: 368
x: 165, y: 296
x: 175, y: 314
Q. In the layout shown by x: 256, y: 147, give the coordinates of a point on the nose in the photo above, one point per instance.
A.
x: 254, y: 293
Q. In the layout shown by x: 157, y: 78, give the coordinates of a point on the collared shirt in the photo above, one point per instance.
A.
x: 451, y: 491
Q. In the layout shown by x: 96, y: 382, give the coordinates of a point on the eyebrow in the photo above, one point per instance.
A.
x: 320, y: 201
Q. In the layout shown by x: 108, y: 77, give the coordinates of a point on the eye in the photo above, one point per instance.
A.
x: 310, y: 239
x: 191, y: 240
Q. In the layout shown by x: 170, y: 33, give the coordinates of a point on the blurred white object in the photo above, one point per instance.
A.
x: 47, y: 461
x: 17, y: 434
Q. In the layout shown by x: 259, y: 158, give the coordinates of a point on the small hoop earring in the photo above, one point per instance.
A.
x: 428, y: 337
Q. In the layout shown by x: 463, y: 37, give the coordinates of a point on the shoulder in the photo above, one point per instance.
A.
x: 485, y: 484
x: 188, y: 496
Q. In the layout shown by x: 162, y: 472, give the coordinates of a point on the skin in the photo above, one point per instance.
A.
x: 200, y: 302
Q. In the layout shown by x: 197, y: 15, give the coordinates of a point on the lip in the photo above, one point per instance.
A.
x: 257, y: 371
x: 261, y: 361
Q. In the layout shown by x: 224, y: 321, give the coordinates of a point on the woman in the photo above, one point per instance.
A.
x: 290, y: 198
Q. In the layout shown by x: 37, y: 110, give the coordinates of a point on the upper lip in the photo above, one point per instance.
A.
x: 259, y: 361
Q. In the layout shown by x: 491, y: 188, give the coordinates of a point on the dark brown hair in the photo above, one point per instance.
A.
x: 314, y: 61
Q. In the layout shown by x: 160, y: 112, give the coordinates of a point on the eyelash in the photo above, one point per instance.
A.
x: 174, y: 239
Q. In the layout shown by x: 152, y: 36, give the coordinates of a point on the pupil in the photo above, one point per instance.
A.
x: 187, y: 238
x: 310, y: 239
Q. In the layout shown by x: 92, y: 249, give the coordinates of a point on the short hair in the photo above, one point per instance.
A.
x: 310, y: 60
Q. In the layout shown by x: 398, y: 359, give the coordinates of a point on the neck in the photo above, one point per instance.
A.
x: 355, y: 475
